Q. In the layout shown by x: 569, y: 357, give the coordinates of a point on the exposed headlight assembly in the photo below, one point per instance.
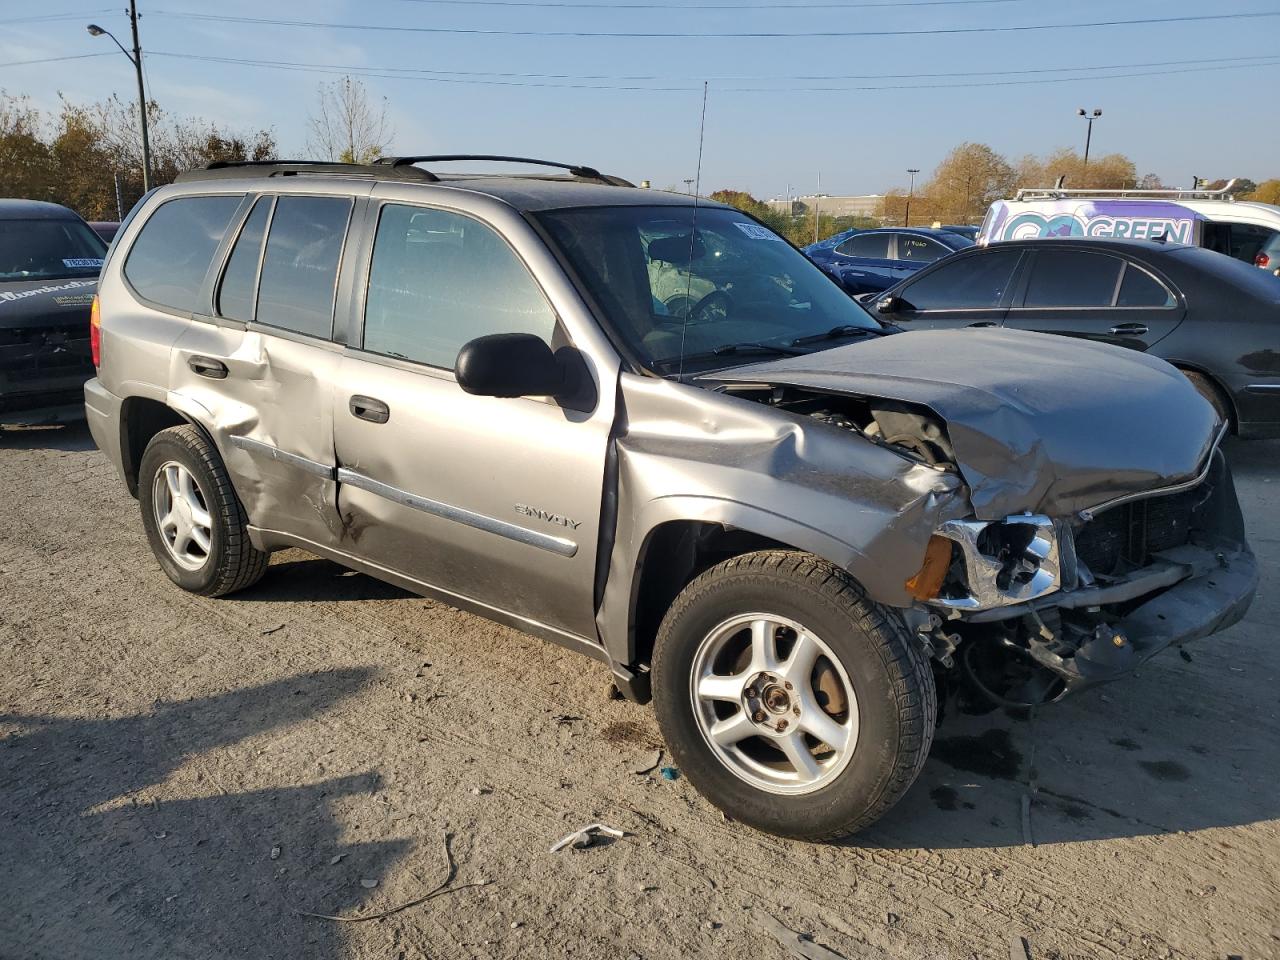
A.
x: 1003, y: 562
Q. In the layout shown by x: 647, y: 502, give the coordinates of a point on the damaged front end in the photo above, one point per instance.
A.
x: 44, y: 350
x: 1094, y: 540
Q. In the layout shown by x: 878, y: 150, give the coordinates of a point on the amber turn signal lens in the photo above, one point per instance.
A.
x: 95, y: 332
x: 927, y: 582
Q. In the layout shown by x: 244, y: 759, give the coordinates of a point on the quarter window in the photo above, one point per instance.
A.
x: 1072, y: 278
x: 300, y: 266
x: 973, y: 283
x: 872, y: 245
x: 169, y: 259
x: 235, y: 297
x: 439, y: 280
x: 1141, y: 289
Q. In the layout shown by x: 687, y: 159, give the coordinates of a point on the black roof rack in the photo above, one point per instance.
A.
x: 232, y: 169
x: 385, y: 168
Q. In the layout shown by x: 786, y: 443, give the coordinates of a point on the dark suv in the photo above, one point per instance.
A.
x: 49, y: 263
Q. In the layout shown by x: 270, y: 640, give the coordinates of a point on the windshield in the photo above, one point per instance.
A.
x: 729, y: 292
x: 48, y: 250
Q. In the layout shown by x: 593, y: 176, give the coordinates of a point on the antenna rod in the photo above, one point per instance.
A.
x: 693, y: 230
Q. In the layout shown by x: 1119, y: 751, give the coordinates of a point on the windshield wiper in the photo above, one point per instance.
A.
x: 836, y: 333
x: 784, y: 349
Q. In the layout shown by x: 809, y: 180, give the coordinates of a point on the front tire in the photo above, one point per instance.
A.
x: 195, y: 523
x: 791, y: 701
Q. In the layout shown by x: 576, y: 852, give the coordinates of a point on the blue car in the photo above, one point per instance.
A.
x: 868, y: 261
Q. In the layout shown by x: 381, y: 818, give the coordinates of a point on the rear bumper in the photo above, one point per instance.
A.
x: 102, y: 411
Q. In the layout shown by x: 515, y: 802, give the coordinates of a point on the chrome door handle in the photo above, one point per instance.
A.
x: 367, y: 408
x: 1129, y: 330
x: 207, y: 367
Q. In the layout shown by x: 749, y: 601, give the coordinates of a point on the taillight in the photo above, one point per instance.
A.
x: 95, y: 332
x: 1262, y: 260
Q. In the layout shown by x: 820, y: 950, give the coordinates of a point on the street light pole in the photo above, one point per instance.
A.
x: 1088, y: 137
x: 136, y: 59
x: 911, y: 192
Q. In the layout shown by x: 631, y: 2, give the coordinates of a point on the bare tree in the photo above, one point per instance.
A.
x: 347, y: 126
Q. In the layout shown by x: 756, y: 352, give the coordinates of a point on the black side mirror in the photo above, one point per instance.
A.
x: 888, y: 305
x: 509, y: 365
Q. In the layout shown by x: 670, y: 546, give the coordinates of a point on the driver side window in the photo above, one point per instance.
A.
x: 440, y: 279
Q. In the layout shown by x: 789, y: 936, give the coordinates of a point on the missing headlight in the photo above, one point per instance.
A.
x: 1004, y: 562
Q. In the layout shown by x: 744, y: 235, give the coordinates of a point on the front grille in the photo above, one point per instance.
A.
x: 1124, y: 537
x: 36, y: 353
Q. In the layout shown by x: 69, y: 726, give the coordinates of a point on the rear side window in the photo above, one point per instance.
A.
x: 440, y: 279
x: 1141, y: 289
x: 300, y: 266
x: 1073, y: 278
x: 872, y: 245
x: 235, y: 296
x: 920, y: 249
x: 974, y: 283
x: 168, y: 261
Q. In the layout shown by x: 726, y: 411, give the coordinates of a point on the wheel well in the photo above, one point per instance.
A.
x: 140, y: 420
x: 673, y: 555
x: 1223, y: 394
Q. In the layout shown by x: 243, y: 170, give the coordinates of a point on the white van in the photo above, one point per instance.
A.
x: 1206, y: 218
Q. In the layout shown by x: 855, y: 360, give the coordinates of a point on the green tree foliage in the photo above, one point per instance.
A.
x: 77, y: 156
x: 796, y: 228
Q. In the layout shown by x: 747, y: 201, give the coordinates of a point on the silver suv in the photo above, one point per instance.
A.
x: 649, y: 429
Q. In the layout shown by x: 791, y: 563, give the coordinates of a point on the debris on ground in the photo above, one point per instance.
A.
x: 795, y: 943
x: 586, y: 837
x: 439, y: 890
x: 1018, y: 948
x: 275, y: 853
x: 646, y: 763
x: 670, y: 773
x: 336, y: 859
x: 481, y: 790
x: 270, y: 630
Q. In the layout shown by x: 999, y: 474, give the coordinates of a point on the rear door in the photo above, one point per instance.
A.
x: 263, y: 362
x: 1096, y: 296
x: 970, y: 291
x: 495, y: 501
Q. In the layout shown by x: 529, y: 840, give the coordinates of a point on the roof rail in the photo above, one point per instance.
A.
x: 1060, y: 193
x: 233, y: 169
x: 579, y: 171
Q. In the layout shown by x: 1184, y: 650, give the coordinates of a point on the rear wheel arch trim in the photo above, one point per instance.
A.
x: 1223, y: 393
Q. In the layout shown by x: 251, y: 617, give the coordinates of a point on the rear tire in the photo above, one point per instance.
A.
x: 834, y: 649
x: 1209, y: 390
x: 195, y: 523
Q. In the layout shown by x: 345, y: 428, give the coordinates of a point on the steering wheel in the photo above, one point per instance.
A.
x: 701, y: 311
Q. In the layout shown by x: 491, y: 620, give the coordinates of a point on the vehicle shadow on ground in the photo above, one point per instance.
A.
x: 104, y: 856
x: 68, y: 437
x: 295, y: 576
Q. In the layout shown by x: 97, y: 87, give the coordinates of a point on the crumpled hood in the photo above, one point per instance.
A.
x: 29, y: 303
x: 1039, y: 423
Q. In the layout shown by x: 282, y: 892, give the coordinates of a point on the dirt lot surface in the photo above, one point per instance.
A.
x: 182, y: 778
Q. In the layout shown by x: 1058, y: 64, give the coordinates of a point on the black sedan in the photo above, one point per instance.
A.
x: 1215, y: 318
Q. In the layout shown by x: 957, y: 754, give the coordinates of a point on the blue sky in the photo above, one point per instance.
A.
x: 1207, y: 121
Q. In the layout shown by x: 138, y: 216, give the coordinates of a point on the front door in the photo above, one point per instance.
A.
x: 1095, y: 296
x: 495, y: 501
x: 972, y: 290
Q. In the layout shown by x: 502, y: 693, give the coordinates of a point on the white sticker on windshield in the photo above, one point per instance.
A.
x: 755, y: 231
x: 83, y: 262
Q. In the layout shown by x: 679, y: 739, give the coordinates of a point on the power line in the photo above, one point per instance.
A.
x: 761, y: 34
x: 45, y: 18
x: 78, y: 56
x: 410, y: 74
x: 772, y: 7
x: 486, y: 74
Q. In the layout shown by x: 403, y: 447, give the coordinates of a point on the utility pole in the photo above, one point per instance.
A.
x: 1088, y: 137
x: 906, y: 220
x: 119, y: 202
x: 817, y: 200
x: 136, y: 59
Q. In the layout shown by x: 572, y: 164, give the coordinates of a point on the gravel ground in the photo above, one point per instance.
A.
x: 182, y: 777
